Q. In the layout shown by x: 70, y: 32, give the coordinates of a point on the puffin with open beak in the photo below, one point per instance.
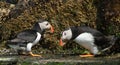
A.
x: 26, y: 39
x: 89, y: 38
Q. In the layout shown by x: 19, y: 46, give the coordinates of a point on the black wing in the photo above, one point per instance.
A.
x: 27, y: 35
x: 94, y: 32
x: 76, y: 30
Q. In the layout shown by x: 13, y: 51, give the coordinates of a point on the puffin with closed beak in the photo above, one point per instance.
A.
x: 26, y: 39
x: 89, y: 38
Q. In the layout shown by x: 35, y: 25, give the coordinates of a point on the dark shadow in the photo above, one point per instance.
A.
x: 106, y: 10
x: 101, y: 23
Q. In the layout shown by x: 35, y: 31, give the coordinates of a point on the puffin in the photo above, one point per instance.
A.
x: 26, y: 39
x: 89, y: 38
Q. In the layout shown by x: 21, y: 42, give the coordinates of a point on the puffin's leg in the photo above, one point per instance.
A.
x: 93, y: 50
x: 29, y: 46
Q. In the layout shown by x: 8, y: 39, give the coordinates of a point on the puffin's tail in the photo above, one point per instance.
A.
x: 113, y: 40
x: 14, y: 42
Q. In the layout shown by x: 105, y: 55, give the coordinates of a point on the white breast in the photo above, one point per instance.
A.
x: 37, y: 38
x: 87, y: 41
x: 29, y: 45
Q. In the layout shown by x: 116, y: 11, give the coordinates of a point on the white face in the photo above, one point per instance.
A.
x: 66, y: 35
x: 45, y: 25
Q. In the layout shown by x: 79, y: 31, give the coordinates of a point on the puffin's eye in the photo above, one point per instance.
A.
x: 64, y: 33
x: 46, y: 24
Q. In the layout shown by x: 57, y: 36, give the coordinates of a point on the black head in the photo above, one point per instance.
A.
x: 42, y: 25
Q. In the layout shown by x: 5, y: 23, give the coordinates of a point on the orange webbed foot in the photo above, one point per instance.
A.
x: 34, y: 55
x: 87, y: 55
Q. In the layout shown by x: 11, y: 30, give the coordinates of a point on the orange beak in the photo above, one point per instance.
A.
x: 61, y: 42
x: 51, y: 29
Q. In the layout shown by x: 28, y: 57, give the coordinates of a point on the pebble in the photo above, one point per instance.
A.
x: 4, y: 51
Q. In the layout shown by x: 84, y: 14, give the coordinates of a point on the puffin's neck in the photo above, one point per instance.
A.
x: 38, y: 28
x: 75, y: 32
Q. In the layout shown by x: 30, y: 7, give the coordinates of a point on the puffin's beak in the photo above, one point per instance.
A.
x: 51, y: 29
x: 61, y: 42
